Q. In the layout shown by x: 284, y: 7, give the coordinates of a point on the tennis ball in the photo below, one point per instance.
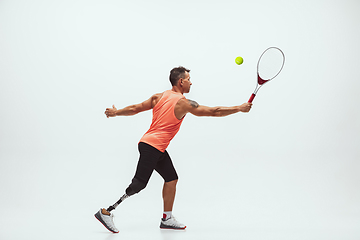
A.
x: 239, y: 60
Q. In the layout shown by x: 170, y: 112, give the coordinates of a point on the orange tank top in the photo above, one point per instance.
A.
x: 164, y: 124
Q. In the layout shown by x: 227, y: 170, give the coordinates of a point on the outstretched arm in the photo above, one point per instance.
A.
x: 133, y: 109
x: 193, y: 107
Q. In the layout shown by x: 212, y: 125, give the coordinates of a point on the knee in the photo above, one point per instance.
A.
x: 135, y: 187
x: 171, y: 184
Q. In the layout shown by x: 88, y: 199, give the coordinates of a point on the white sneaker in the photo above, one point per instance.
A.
x: 171, y: 223
x: 107, y: 221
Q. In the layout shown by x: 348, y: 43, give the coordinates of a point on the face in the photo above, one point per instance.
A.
x: 186, y: 83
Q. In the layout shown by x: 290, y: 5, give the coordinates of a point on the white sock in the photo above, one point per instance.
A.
x: 167, y: 215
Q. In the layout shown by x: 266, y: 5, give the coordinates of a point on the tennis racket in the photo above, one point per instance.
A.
x: 269, y: 65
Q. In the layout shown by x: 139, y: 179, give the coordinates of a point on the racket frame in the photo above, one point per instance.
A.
x: 260, y: 82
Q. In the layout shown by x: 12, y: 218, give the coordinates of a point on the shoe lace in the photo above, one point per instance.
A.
x: 175, y: 222
x: 112, y: 217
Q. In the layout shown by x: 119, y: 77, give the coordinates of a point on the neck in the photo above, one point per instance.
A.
x: 177, y: 89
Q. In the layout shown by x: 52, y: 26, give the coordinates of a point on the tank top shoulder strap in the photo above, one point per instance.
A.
x: 167, y: 96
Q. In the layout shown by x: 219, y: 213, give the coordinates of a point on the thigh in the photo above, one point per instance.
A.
x: 149, y: 156
x: 166, y: 168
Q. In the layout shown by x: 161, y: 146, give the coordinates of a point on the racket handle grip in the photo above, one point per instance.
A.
x: 251, y: 98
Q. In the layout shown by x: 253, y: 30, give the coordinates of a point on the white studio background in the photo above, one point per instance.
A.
x: 286, y: 170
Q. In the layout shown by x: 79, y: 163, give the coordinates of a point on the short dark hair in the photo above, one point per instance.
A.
x: 176, y: 74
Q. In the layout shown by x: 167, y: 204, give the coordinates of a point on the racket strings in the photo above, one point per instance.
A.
x: 270, y: 64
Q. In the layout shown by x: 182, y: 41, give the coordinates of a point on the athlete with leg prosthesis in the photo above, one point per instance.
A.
x: 169, y: 109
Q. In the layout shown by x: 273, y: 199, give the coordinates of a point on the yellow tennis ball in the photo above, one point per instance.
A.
x: 239, y: 60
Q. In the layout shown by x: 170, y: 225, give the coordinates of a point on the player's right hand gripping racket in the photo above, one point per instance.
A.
x: 270, y: 64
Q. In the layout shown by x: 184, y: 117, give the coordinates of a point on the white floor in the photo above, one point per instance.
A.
x: 81, y: 228
x: 251, y: 200
x: 138, y: 223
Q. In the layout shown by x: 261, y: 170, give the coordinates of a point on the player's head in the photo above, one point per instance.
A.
x: 176, y: 74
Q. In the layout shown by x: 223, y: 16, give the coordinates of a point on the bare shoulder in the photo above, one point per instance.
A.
x: 186, y: 105
x: 157, y: 95
x: 183, y: 106
x: 155, y: 99
x: 193, y: 103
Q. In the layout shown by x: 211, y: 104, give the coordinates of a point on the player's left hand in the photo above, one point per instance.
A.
x: 111, y: 112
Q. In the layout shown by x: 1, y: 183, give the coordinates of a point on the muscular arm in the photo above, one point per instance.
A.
x: 185, y: 106
x: 133, y: 109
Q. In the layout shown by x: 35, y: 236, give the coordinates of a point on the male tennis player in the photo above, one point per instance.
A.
x: 169, y: 110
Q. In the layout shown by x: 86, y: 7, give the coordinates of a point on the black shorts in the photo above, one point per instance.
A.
x: 152, y: 159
